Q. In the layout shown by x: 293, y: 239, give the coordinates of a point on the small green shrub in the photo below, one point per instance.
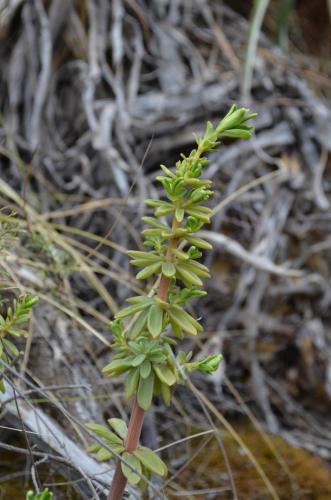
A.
x: 146, y: 332
x: 17, y: 314
x: 11, y: 324
x: 43, y: 495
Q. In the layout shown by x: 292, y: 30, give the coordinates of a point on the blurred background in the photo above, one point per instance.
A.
x: 94, y: 95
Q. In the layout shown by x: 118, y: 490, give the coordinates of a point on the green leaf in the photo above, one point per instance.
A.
x: 168, y: 172
x: 93, y: 448
x: 156, y: 203
x: 17, y: 332
x: 199, y: 210
x: 133, y: 463
x: 151, y: 461
x: 209, y: 364
x: 235, y: 118
x: 196, y: 267
x: 180, y: 254
x: 143, y: 262
x: 198, y: 242
x: 138, y: 325
x: 103, y: 432
x: 31, y: 300
x: 187, y: 294
x: 168, y: 269
x: 180, y: 318
x: 137, y: 346
x: 166, y: 394
x: 238, y: 133
x: 131, y: 382
x: 194, y: 253
x: 2, y: 386
x: 11, y: 347
x: 179, y: 214
x: 193, y: 224
x: 153, y: 232
x: 177, y: 331
x: 157, y: 387
x: 155, y: 320
x: 145, y: 391
x: 103, y: 455
x: 140, y: 299
x: 144, y: 255
x: 175, y: 233
x: 148, y: 271
x: 116, y: 367
x: 165, y: 210
x: 164, y: 374
x: 131, y: 310
x: 202, y: 193
x: 119, y: 427
x: 43, y: 495
x: 116, y: 327
x: 22, y: 319
x: 157, y: 358
x: 145, y: 369
x: 193, y: 321
x: 155, y: 222
x: 138, y: 360
x: 188, y: 277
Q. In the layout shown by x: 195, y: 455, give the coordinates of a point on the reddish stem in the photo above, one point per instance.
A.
x: 118, y: 484
x: 135, y: 424
x: 163, y: 288
x: 131, y: 443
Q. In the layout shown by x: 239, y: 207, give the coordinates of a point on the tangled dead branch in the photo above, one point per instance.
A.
x: 94, y: 95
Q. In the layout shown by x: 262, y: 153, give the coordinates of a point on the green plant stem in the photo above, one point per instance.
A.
x: 257, y: 16
x: 186, y: 193
x: 137, y: 414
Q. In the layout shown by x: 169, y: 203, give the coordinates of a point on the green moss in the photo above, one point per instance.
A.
x: 304, y: 476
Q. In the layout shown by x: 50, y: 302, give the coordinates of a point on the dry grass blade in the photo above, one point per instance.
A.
x: 257, y: 16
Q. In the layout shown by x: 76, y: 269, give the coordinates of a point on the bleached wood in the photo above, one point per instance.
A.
x: 52, y: 435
